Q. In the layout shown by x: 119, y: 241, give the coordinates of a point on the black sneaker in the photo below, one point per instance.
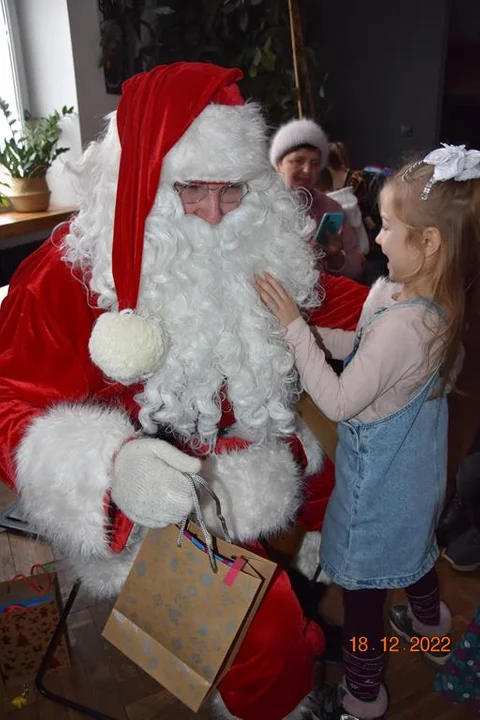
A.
x: 464, y: 553
x: 435, y: 649
x: 325, y: 705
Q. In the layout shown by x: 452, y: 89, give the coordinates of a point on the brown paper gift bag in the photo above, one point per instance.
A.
x: 180, y: 621
x: 30, y: 608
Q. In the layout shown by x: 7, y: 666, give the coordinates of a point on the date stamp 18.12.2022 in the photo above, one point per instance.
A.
x: 415, y: 644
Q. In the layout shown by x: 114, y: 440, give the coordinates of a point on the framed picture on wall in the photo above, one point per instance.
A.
x: 120, y: 41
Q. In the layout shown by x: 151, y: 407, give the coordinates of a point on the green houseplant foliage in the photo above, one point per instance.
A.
x: 253, y: 35
x: 31, y: 149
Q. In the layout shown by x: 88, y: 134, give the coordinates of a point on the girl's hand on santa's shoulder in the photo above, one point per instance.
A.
x: 277, y: 299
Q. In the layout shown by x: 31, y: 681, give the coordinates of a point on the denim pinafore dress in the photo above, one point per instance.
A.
x: 390, y: 479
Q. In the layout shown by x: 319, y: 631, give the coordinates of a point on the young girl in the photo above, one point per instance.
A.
x: 390, y: 403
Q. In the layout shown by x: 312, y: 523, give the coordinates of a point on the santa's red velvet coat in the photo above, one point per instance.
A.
x: 45, y: 324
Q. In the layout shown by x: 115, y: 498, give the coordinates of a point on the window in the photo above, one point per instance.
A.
x: 11, y: 76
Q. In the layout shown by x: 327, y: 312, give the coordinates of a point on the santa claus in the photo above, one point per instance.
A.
x: 134, y: 349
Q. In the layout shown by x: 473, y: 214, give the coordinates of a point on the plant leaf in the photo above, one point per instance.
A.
x: 31, y: 151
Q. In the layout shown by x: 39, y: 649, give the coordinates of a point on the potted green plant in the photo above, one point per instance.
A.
x: 26, y: 156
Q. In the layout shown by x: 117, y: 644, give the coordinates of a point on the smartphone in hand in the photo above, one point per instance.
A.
x: 331, y: 223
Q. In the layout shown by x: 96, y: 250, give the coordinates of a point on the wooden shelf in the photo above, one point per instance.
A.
x: 13, y: 224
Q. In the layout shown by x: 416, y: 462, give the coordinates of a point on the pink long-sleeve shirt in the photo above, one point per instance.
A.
x: 394, y: 359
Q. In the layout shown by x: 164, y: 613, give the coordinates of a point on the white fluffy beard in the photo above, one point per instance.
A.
x: 198, y: 279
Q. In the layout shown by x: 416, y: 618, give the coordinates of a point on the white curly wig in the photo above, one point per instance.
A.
x: 197, y: 279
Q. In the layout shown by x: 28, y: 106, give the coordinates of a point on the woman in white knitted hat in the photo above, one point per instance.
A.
x: 299, y: 151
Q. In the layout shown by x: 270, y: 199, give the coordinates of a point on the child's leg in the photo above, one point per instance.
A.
x: 364, y: 653
x: 424, y: 616
x: 430, y: 617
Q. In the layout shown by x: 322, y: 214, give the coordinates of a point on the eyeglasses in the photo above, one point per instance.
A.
x: 230, y: 193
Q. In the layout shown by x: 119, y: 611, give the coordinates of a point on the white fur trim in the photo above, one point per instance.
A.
x: 3, y: 293
x: 104, y: 577
x: 222, y: 143
x: 296, y: 133
x: 313, y: 449
x: 260, y: 490
x: 63, y: 472
x: 126, y: 346
x: 380, y: 296
x: 308, y: 558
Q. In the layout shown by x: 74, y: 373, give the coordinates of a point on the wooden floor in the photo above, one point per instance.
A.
x: 103, y: 678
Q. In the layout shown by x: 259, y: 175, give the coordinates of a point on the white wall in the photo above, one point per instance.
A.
x: 93, y: 101
x: 60, y: 41
x: 50, y: 78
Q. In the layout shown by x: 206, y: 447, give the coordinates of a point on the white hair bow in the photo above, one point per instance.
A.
x: 451, y: 162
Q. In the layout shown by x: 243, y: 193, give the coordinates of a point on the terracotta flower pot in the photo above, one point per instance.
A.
x: 28, y: 194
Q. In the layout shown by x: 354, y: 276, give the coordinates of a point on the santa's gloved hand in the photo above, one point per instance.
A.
x: 148, y: 484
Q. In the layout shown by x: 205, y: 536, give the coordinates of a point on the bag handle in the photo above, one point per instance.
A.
x: 197, y: 482
x: 14, y: 608
x: 30, y: 580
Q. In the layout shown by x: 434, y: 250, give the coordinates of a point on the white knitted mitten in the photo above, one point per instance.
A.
x: 148, y: 484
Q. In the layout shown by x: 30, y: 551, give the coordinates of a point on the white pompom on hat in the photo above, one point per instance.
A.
x: 125, y: 345
x: 128, y: 347
x: 295, y: 134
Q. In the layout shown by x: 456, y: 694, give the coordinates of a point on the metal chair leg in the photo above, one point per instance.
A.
x: 52, y: 647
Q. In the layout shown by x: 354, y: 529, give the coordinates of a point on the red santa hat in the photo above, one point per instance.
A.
x: 155, y: 111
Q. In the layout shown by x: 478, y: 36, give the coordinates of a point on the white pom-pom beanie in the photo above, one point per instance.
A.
x: 295, y: 134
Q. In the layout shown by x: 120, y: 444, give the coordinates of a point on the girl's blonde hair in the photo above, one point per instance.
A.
x: 453, y: 208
